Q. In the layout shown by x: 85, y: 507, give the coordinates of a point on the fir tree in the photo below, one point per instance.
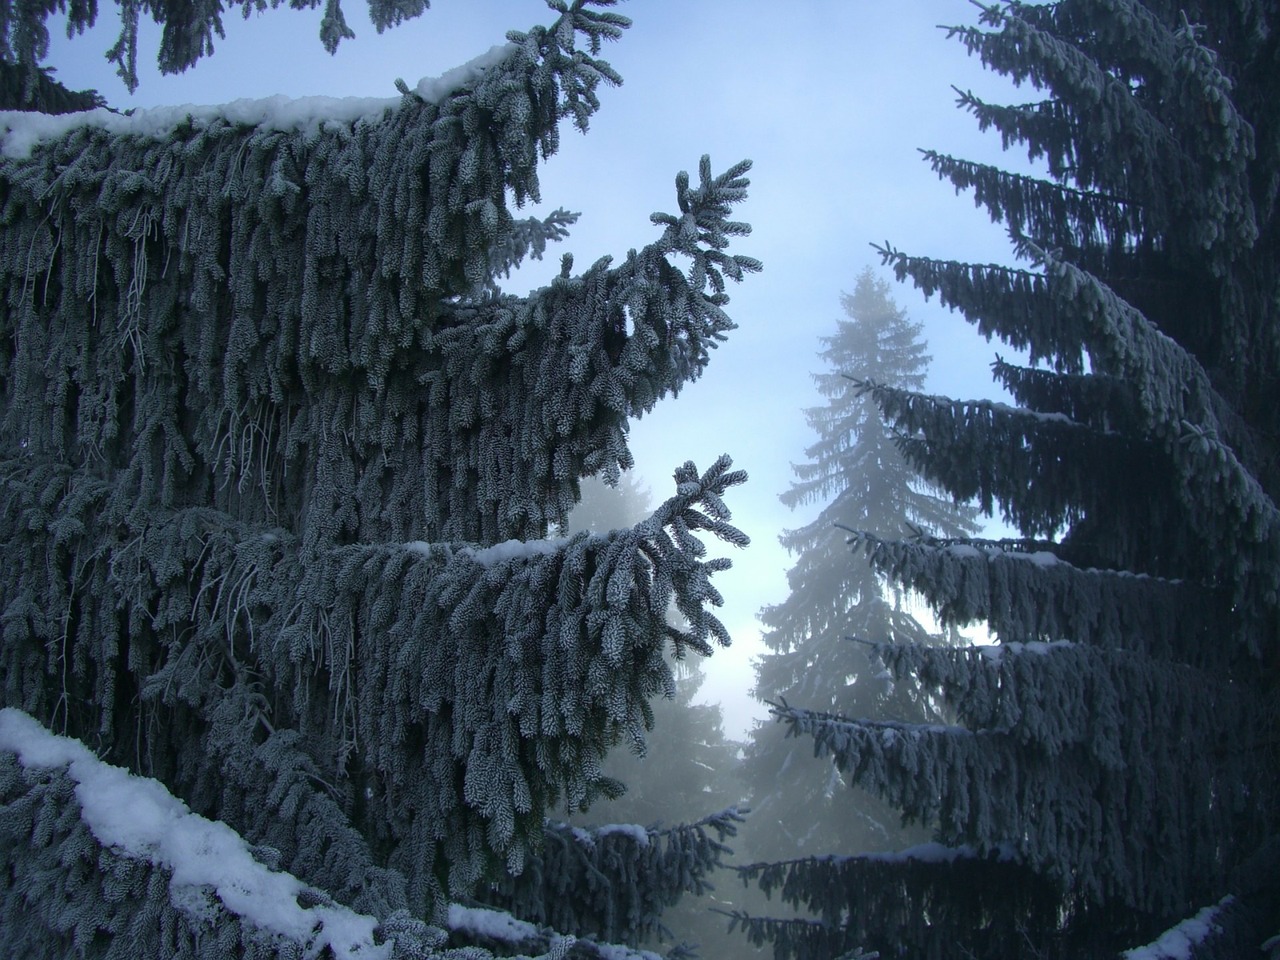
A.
x: 1110, y: 778
x: 856, y: 473
x: 279, y: 462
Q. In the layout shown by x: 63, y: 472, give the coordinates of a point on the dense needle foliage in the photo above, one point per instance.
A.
x: 1112, y: 770
x: 279, y: 464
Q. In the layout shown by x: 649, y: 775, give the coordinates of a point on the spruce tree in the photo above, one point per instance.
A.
x: 856, y: 473
x: 689, y: 769
x: 1109, y: 781
x: 279, y: 467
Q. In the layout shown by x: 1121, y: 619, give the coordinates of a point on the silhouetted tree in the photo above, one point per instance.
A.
x: 1111, y: 775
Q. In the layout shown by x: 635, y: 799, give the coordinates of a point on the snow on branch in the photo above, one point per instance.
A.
x: 21, y: 132
x: 138, y: 818
x: 1181, y: 942
x: 1036, y: 595
x: 1056, y: 712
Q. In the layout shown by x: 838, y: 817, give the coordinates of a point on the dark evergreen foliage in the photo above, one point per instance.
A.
x: 688, y: 767
x: 1111, y: 770
x: 585, y: 880
x: 279, y: 462
x: 35, y: 88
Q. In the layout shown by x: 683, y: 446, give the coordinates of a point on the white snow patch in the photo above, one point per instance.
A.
x: 923, y: 853
x: 1041, y: 648
x: 494, y: 924
x: 968, y: 551
x: 140, y: 819
x: 1005, y: 408
x: 514, y: 550
x: 21, y: 131
x: 1041, y: 558
x: 424, y: 548
x: 436, y: 89
x: 1179, y: 942
x: 637, y: 833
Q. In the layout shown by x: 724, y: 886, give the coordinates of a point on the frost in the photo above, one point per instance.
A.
x: 637, y: 833
x: 995, y: 652
x: 140, y: 819
x: 934, y: 852
x: 492, y: 924
x: 1179, y: 942
x: 514, y: 550
x: 612, y: 951
x: 21, y: 132
x: 1005, y: 408
x: 436, y: 89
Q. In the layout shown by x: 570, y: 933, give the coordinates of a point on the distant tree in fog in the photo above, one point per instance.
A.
x: 800, y: 805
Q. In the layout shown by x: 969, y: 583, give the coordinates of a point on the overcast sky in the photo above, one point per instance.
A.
x: 829, y: 98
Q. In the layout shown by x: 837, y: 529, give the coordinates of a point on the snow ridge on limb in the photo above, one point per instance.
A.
x: 158, y: 880
x: 210, y: 870
x: 1031, y: 594
x: 1185, y: 940
x: 957, y: 780
x: 22, y: 132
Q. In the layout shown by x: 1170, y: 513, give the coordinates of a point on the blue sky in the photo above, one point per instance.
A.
x: 829, y: 98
